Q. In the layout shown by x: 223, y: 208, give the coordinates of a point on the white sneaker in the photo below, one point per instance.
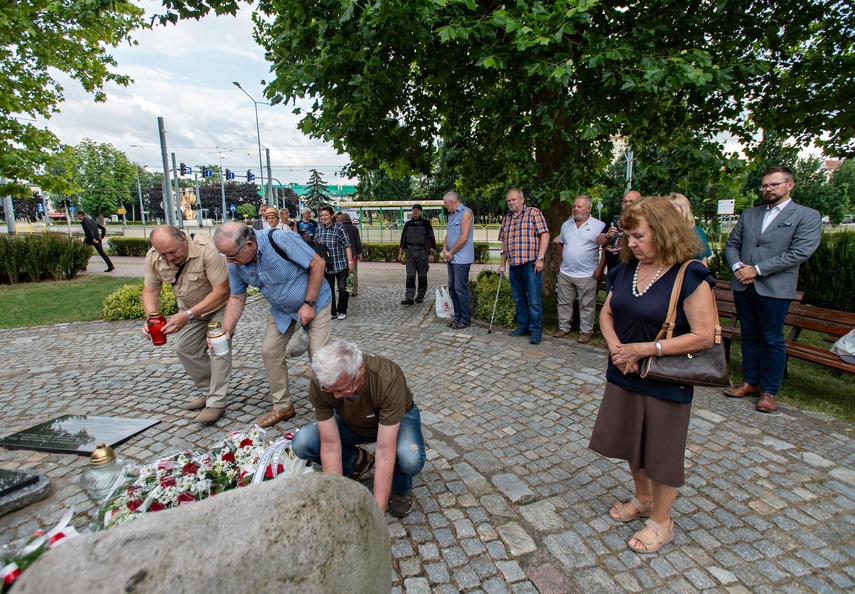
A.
x: 341, y: 316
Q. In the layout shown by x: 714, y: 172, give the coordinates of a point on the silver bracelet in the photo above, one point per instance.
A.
x: 658, y: 349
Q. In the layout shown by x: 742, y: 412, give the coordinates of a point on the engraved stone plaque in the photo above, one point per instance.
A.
x: 76, y: 434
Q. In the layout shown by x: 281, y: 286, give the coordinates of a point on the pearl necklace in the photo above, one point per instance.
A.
x: 635, y: 291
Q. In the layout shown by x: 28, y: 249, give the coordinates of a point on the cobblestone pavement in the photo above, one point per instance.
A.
x: 510, y: 499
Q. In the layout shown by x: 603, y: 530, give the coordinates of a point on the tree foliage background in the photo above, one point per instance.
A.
x: 39, y: 38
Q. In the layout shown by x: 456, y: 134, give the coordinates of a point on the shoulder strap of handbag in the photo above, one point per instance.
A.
x: 667, y: 330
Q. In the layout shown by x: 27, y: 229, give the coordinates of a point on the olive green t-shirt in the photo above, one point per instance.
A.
x: 383, y: 399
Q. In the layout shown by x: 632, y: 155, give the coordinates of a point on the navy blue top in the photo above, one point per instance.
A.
x: 639, y: 319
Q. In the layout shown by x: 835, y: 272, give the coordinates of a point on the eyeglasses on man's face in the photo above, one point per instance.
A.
x: 234, y: 256
x: 772, y: 186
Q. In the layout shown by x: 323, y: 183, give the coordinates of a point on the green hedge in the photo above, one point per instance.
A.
x: 35, y: 258
x: 826, y: 278
x: 388, y: 252
x: 128, y: 246
x: 483, y: 292
x: 126, y: 303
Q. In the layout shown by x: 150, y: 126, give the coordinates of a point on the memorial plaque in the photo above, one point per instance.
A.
x: 11, y: 481
x: 76, y: 434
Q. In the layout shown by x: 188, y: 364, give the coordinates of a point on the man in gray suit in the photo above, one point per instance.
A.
x: 764, y: 251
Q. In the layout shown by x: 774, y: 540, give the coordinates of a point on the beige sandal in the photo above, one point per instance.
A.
x: 664, y: 535
x: 641, y: 510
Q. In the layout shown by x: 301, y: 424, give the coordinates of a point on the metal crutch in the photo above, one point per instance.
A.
x: 495, y: 303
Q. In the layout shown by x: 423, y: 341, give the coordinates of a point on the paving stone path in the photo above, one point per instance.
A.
x: 510, y: 499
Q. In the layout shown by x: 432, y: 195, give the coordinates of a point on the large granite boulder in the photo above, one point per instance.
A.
x: 314, y: 533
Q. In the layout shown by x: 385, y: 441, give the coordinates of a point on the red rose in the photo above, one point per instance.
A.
x: 167, y: 481
x: 247, y: 442
x: 165, y: 465
x: 134, y: 504
x: 156, y: 506
x: 228, y: 457
x: 189, y: 468
x: 185, y: 498
x: 268, y: 472
x: 132, y: 490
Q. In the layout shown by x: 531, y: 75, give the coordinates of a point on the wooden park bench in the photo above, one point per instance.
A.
x: 832, y: 323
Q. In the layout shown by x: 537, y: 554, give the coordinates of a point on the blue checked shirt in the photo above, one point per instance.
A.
x: 336, y: 240
x: 282, y: 282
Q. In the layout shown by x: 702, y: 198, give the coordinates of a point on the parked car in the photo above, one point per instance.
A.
x: 848, y: 219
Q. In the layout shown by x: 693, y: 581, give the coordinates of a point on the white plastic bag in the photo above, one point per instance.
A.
x: 845, y: 347
x: 444, y: 308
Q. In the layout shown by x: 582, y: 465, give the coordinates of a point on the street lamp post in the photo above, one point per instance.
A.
x: 257, y: 129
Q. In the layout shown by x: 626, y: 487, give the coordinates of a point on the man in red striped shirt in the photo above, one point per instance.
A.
x: 525, y: 239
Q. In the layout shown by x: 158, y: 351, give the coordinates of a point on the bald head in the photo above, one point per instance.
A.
x: 171, y: 243
x: 629, y: 198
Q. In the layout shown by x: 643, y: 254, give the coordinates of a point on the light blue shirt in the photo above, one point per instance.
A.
x: 466, y: 254
x: 282, y: 282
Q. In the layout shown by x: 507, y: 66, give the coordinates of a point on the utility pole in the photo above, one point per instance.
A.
x: 271, y: 195
x: 168, y: 201
x: 178, y: 214
x: 9, y: 209
x: 628, y: 169
x: 142, y: 208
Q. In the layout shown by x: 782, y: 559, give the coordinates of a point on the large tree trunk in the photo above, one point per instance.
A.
x: 556, y: 213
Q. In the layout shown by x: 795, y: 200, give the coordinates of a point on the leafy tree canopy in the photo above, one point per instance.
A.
x: 37, y: 39
x: 534, y: 93
x: 104, y: 176
x: 318, y: 194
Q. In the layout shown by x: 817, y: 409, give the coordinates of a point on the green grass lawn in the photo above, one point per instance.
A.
x: 39, y: 304
x: 807, y: 385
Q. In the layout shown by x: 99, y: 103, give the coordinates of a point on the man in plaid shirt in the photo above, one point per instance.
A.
x: 331, y: 234
x: 525, y: 239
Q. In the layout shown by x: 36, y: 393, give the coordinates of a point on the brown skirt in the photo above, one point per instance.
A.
x: 649, y: 433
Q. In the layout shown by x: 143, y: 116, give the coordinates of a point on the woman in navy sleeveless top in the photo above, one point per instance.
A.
x: 645, y: 422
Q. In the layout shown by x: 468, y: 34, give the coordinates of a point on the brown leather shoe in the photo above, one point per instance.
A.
x: 741, y: 390
x: 209, y: 415
x: 584, y: 338
x: 196, y: 404
x: 275, y: 416
x: 767, y: 403
x: 560, y: 334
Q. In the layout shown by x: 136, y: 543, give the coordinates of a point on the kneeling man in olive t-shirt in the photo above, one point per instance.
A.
x: 360, y: 398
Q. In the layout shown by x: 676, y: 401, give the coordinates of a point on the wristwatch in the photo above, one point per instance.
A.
x: 540, y: 259
x: 190, y: 316
x: 310, y: 303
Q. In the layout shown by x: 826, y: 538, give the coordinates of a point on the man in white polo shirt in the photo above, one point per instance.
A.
x: 578, y: 254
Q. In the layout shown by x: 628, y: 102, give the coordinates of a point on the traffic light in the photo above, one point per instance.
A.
x: 230, y: 174
x: 183, y: 168
x: 250, y: 176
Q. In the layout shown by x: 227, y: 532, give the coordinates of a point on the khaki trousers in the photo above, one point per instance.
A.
x: 568, y: 288
x: 275, y: 360
x: 210, y: 373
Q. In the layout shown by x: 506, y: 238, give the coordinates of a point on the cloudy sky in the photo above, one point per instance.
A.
x: 184, y: 74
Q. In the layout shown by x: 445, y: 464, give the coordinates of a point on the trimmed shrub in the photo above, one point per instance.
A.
x: 483, y: 292
x: 128, y: 246
x: 718, y: 264
x: 388, y: 252
x: 126, y: 303
x: 828, y: 275
x: 35, y: 258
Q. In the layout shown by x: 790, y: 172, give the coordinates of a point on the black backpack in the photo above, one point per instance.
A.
x: 320, y: 249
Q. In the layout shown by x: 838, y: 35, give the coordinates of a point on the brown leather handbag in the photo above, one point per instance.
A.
x: 703, y: 368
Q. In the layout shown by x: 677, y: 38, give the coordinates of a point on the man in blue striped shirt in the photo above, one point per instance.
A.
x: 294, y: 288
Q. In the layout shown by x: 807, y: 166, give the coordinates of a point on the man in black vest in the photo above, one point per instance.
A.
x: 419, y: 243
x: 95, y: 232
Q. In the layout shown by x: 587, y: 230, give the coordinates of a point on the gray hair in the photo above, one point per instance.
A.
x: 168, y: 231
x: 587, y: 200
x: 306, y: 210
x: 454, y: 196
x: 237, y: 234
x: 335, y: 360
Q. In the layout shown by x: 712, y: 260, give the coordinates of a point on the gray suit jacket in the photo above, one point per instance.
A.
x: 790, y: 240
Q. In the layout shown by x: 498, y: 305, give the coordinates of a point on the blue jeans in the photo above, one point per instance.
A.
x: 764, y: 354
x: 525, y: 289
x: 409, y: 455
x: 458, y: 290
